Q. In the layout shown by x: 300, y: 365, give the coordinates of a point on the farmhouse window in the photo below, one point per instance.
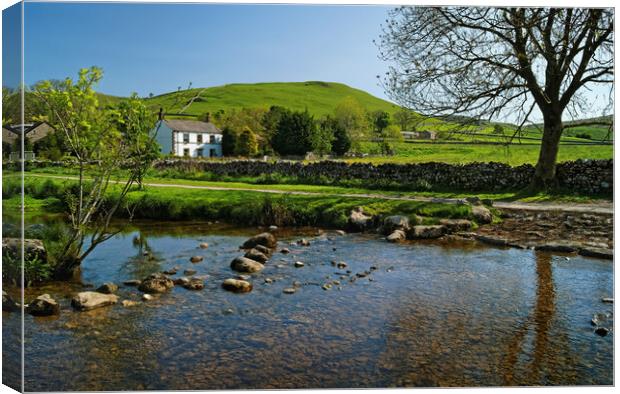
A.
x: 199, y: 152
x: 186, y: 138
x: 186, y: 152
x: 199, y: 138
x: 212, y: 139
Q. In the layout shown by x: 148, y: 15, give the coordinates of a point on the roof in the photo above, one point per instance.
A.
x: 192, y: 126
x: 28, y: 127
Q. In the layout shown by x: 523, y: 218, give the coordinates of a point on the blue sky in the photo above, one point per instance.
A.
x: 157, y: 47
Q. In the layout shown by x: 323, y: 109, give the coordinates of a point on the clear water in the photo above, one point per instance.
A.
x: 429, y: 315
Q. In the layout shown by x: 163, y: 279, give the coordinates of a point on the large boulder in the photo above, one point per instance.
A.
x: 481, y: 214
x: 395, y: 222
x: 43, y: 305
x: 243, y: 264
x: 256, y: 255
x: 156, y: 283
x: 454, y: 225
x: 8, y: 304
x: 237, y: 285
x: 358, y: 221
x: 396, y: 236
x: 427, y: 232
x: 88, y: 300
x: 33, y: 248
x: 266, y: 239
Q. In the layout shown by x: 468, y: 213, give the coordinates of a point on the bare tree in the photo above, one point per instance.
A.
x: 491, y: 63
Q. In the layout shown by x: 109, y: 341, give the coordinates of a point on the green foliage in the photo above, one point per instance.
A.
x: 294, y: 133
x: 35, y: 269
x: 340, y: 140
x: 584, y: 136
x: 380, y: 120
x: 498, y: 129
x: 352, y: 116
x: 405, y: 119
x: 246, y: 143
x: 229, y: 141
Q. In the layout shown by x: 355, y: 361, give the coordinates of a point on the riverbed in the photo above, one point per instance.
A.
x: 418, y: 314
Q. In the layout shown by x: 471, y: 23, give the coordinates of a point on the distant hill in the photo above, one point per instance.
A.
x: 320, y: 98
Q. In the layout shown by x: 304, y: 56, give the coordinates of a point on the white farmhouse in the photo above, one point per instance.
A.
x: 189, y: 138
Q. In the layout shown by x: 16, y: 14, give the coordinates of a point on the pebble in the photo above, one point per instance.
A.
x: 341, y: 265
x: 189, y: 271
x: 204, y: 245
x: 128, y: 303
x: 289, y: 290
x: 268, y: 280
x: 147, y: 297
x: 228, y: 311
x: 296, y: 283
x: 336, y: 282
x: 326, y: 286
x: 299, y: 264
x: 602, y: 331
x: 285, y: 251
x: 303, y: 242
x: 132, y: 282
x: 607, y: 300
x: 196, y: 259
x: 243, y: 277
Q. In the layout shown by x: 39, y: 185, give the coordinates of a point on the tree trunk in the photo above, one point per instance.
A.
x: 544, y: 177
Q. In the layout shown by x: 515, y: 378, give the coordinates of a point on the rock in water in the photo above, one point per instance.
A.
x: 107, y: 288
x: 289, y: 290
x: 43, y: 305
x: 8, y: 305
x: 607, y: 300
x: 194, y: 284
x: 602, y: 331
x: 147, y: 297
x: 132, y: 282
x: 303, y: 242
x: 265, y: 239
x: 426, y: 232
x: 299, y: 264
x: 481, y: 214
x: 396, y: 236
x: 358, y: 221
x: 189, y: 272
x: 204, y: 245
x: 243, y: 264
x: 273, y: 228
x: 263, y: 249
x: 237, y: 286
x: 182, y: 281
x: 88, y: 300
x: 256, y: 255
x: 285, y: 251
x: 395, y: 222
x: 156, y: 283
x: 454, y: 225
x: 129, y: 303
x: 33, y: 248
x: 340, y: 232
x: 196, y: 259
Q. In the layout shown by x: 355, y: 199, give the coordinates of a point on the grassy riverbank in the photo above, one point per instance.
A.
x: 234, y: 206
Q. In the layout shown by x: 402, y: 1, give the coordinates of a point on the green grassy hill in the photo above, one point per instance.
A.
x: 320, y: 98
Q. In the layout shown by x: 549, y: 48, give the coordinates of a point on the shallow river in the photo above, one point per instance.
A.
x: 428, y: 315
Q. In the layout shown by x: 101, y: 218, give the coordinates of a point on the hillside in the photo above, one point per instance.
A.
x: 320, y: 98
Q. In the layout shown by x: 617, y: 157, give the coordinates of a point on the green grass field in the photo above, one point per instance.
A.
x: 461, y: 153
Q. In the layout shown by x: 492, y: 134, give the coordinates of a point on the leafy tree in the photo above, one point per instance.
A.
x: 92, y: 137
x: 387, y: 137
x: 405, y: 119
x: 322, y: 139
x: 490, y: 62
x: 341, y: 142
x: 353, y: 118
x: 498, y: 129
x: 135, y: 123
x: 294, y: 133
x: 246, y: 143
x: 380, y: 120
x: 229, y: 141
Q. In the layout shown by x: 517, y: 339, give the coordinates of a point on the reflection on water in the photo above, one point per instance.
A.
x: 426, y: 315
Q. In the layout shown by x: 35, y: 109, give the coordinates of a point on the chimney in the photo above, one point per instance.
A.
x: 208, y: 117
x: 161, y: 114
